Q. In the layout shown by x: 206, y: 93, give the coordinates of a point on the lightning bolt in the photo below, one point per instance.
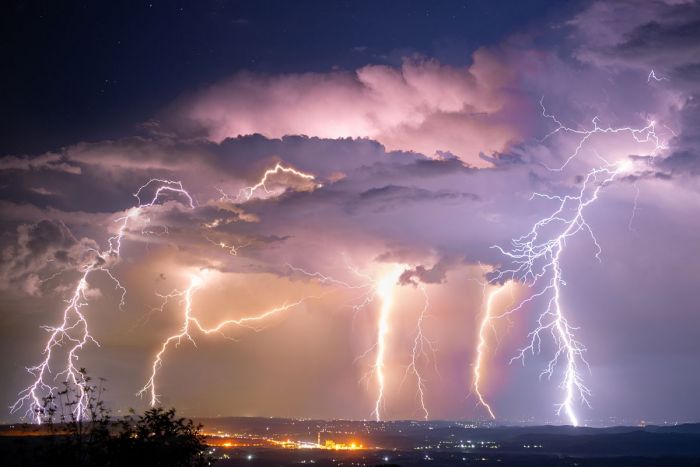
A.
x: 481, y: 347
x: 420, y: 343
x: 232, y: 249
x: 385, y: 291
x: 653, y: 76
x: 190, y: 323
x: 536, y: 257
x: 247, y: 193
x: 73, y: 330
x: 646, y: 134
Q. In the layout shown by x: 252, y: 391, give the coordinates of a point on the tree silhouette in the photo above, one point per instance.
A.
x: 159, y: 438
x: 78, y: 437
x: 90, y: 437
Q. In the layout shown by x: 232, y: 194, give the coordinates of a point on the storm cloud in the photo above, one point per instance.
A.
x: 422, y: 164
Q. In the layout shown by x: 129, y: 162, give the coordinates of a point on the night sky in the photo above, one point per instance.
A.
x: 410, y: 139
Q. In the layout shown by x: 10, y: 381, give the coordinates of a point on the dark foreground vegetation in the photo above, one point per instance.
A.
x: 155, y: 438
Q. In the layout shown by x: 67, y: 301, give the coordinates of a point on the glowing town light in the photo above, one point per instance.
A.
x: 73, y: 330
x: 482, y: 344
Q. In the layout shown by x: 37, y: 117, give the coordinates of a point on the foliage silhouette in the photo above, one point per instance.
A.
x: 158, y: 438
x: 88, y: 436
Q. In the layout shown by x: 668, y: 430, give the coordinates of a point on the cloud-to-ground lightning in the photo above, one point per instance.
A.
x: 421, y: 345
x: 482, y: 345
x: 189, y: 320
x: 191, y: 323
x: 383, y: 288
x: 73, y: 330
x: 385, y: 291
x: 536, y: 257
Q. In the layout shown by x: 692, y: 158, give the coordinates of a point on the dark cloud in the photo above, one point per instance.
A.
x: 49, y: 161
x: 654, y: 35
x: 436, y: 274
x: 41, y: 251
x: 685, y: 157
x: 436, y: 167
x: 502, y: 160
x: 394, y: 196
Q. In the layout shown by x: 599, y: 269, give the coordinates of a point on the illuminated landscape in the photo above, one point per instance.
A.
x: 350, y: 233
x: 269, y: 441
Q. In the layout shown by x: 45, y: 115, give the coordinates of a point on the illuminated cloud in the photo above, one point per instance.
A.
x: 423, y: 106
x: 42, y: 250
x: 662, y: 36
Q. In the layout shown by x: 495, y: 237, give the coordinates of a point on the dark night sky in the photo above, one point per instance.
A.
x: 93, y: 70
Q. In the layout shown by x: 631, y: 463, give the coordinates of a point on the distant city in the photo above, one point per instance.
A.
x: 259, y: 441
x: 274, y: 441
